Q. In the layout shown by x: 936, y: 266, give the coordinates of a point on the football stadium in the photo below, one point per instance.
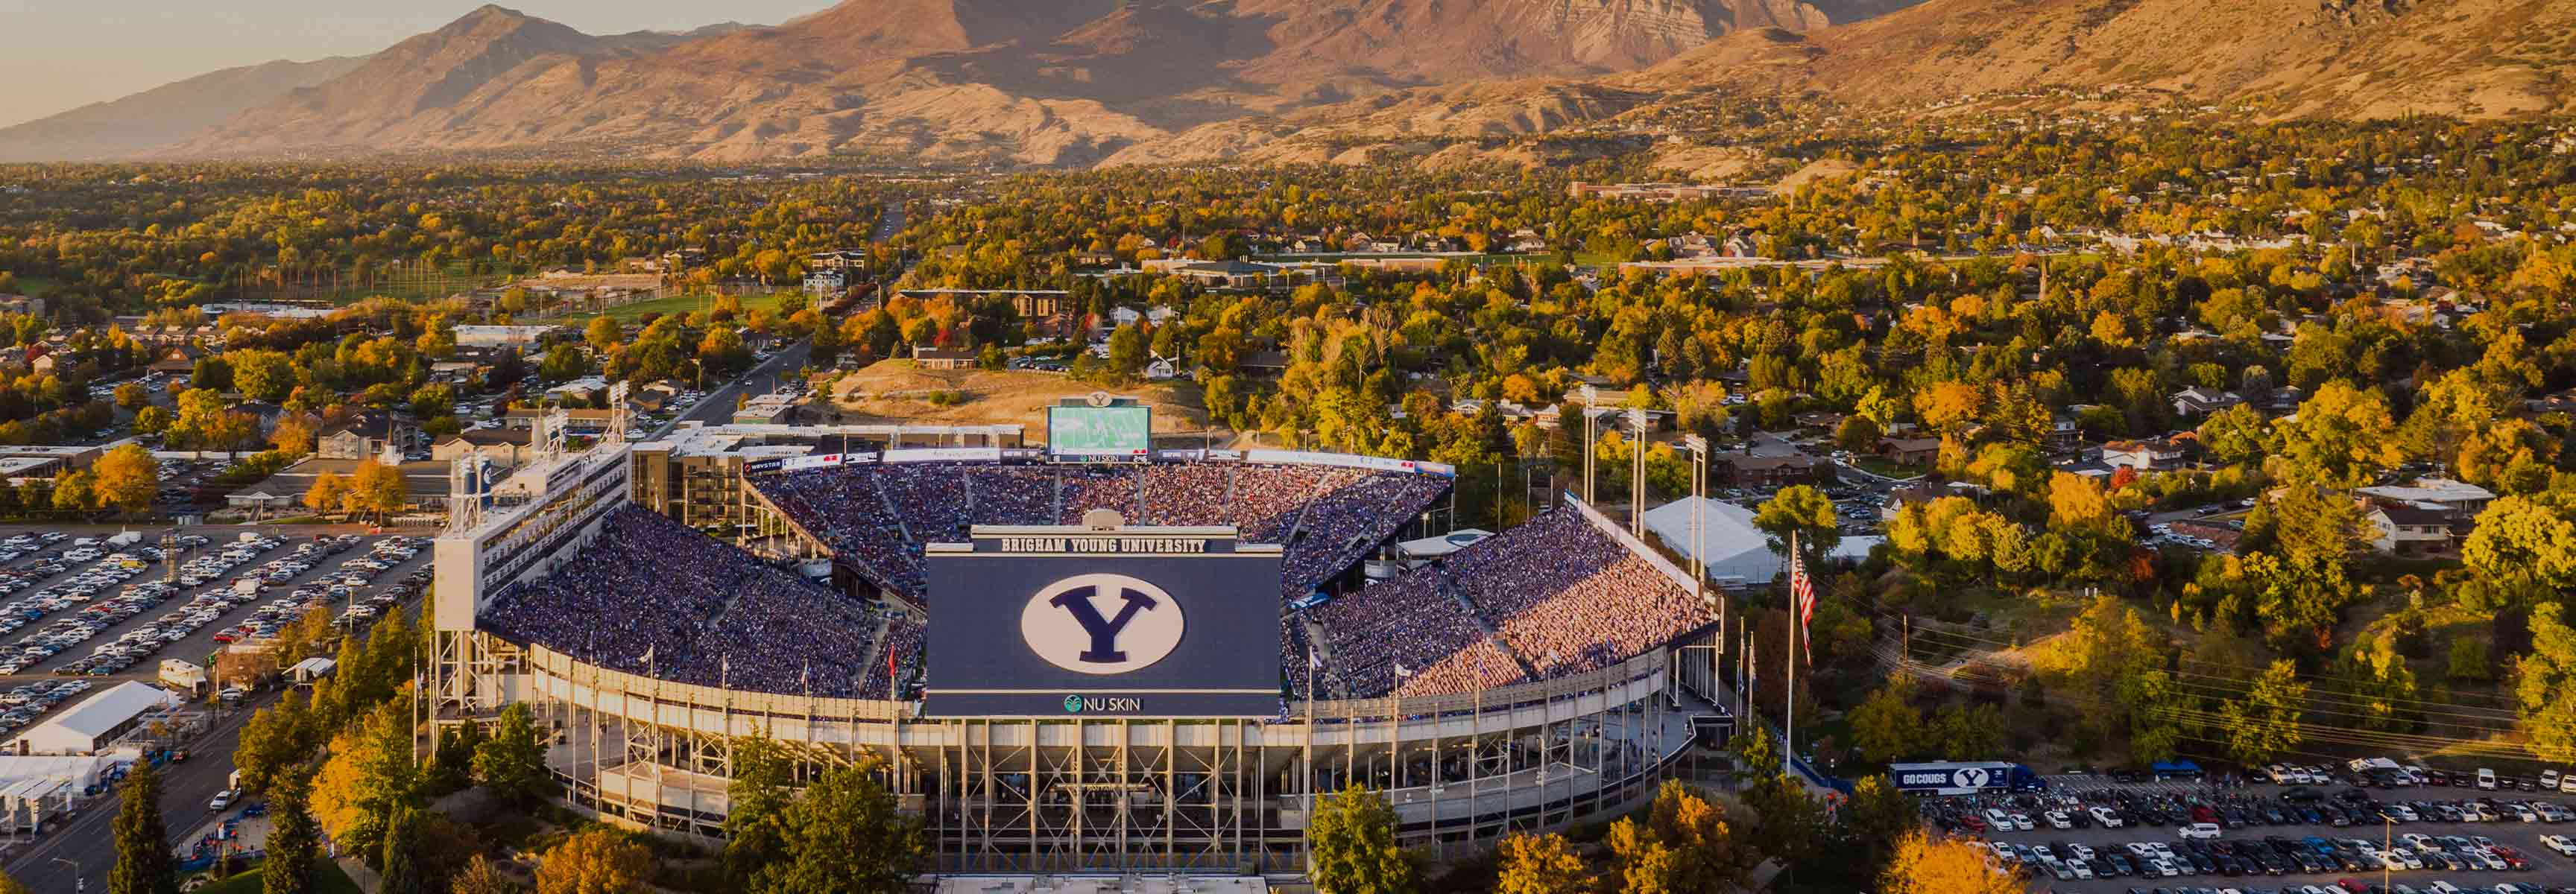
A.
x: 1153, y: 662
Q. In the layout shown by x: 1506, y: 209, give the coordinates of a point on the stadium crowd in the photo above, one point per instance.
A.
x: 1560, y: 596
x: 875, y: 517
x: 649, y: 595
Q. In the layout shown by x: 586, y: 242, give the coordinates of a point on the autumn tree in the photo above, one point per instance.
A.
x: 481, y: 876
x: 377, y: 490
x: 126, y: 479
x: 596, y: 861
x: 368, y: 778
x: 1352, y: 843
x: 1924, y: 865
x: 2343, y: 437
x: 1540, y: 864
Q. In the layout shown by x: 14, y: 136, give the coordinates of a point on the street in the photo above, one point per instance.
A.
x: 717, y: 407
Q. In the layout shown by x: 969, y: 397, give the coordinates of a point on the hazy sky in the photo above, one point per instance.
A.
x: 60, y: 54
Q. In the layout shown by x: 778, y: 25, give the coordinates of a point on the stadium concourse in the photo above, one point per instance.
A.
x: 1529, y: 680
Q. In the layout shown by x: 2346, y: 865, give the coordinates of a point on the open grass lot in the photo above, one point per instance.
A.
x: 328, y: 880
x: 898, y: 391
x: 679, y: 304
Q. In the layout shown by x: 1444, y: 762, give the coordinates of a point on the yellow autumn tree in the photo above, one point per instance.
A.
x: 1924, y: 865
x: 1540, y: 864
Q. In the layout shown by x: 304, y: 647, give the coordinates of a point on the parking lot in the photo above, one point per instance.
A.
x: 111, y: 608
x: 2093, y: 834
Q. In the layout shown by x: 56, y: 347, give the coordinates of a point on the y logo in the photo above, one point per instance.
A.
x: 1101, y: 624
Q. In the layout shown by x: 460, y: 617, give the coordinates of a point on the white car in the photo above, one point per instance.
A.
x: 2198, y: 830
x: 2057, y: 819
x: 1999, y: 820
x: 2566, y: 847
x: 223, y: 799
x: 2108, y: 819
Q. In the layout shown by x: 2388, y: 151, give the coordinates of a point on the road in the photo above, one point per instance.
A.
x: 83, y: 837
x: 717, y: 407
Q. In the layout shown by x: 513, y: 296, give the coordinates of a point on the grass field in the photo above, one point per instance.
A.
x: 329, y: 880
x: 897, y: 391
x: 682, y: 303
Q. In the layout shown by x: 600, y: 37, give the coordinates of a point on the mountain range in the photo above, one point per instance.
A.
x: 1077, y: 82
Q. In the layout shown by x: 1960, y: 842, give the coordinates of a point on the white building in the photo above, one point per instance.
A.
x: 96, y: 722
x: 499, y: 336
x: 2459, y: 499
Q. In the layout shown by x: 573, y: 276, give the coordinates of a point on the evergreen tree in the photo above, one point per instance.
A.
x: 403, y: 872
x: 144, y: 864
x: 294, y: 843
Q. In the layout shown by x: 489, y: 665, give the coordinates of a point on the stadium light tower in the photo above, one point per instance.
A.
x: 1637, y: 473
x: 1591, y: 396
x: 1698, y: 518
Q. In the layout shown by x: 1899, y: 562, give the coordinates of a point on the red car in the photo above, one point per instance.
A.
x: 1972, y: 823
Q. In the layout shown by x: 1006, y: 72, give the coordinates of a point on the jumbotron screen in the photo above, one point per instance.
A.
x: 1125, y: 623
x: 1099, y: 431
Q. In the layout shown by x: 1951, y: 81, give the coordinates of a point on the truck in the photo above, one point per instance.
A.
x: 1965, y: 778
x: 183, y: 675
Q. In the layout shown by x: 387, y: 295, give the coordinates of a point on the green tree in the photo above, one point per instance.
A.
x: 844, y: 834
x: 2265, y: 723
x: 272, y: 740
x: 1127, y: 355
x: 294, y: 844
x: 144, y: 864
x: 403, y: 872
x: 1878, y: 815
x: 262, y: 374
x: 1886, y: 726
x: 2469, y: 662
x: 1540, y: 864
x: 512, y: 762
x: 758, y: 797
x: 2545, y: 686
x: 1804, y: 510
x: 1352, y: 845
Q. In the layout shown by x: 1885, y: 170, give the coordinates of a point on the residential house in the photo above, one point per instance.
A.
x: 364, y: 437
x: 2150, y: 455
x: 2198, y: 401
x: 2460, y: 500
x: 505, y: 447
x: 943, y: 358
x: 178, y: 360
x: 1909, y: 452
x: 2403, y: 530
x: 1769, y: 471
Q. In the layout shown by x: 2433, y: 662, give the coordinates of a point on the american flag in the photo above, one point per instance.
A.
x: 1803, y: 589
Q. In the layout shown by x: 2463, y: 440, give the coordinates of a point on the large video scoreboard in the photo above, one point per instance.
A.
x: 1127, y: 622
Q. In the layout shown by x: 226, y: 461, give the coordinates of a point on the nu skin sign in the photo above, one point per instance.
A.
x: 1069, y: 623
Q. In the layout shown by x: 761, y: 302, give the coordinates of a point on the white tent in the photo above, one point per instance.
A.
x: 92, y: 724
x: 1736, y: 551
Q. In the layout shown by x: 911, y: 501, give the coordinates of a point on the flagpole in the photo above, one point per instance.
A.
x: 1789, y: 697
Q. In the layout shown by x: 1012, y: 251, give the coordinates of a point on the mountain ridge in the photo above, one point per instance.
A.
x: 1051, y: 82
